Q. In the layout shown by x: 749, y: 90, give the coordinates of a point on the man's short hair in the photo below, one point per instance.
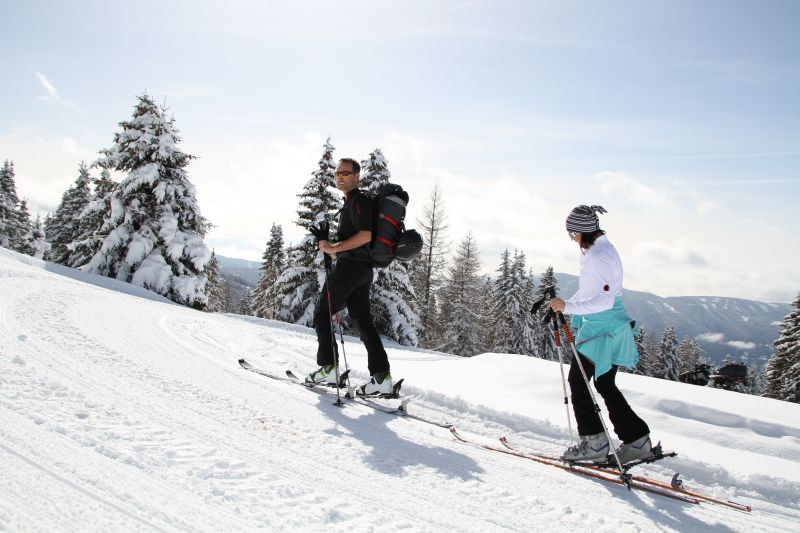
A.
x: 356, y: 167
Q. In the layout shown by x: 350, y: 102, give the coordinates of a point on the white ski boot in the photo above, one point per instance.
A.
x: 324, y: 375
x: 638, y: 449
x: 591, y: 448
x: 379, y: 385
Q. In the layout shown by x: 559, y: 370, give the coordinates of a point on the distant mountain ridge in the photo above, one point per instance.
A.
x: 742, y: 329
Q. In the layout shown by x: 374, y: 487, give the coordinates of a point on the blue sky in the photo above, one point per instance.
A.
x: 680, y: 117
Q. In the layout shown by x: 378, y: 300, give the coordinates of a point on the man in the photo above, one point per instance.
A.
x: 348, y: 284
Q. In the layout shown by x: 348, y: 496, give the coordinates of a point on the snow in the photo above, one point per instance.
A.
x: 121, y: 411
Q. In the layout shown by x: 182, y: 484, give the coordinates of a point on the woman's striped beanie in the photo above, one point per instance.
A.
x: 584, y: 219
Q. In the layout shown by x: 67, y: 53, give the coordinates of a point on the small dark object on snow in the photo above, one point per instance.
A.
x: 731, y: 376
x: 699, y: 376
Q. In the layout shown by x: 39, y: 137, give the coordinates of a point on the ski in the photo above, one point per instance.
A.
x: 399, y: 411
x: 675, y: 485
x: 614, y: 477
x: 608, y: 465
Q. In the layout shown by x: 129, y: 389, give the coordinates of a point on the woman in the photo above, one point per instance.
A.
x: 604, y: 340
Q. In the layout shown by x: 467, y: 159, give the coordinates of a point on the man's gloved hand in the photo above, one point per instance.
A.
x: 320, y: 230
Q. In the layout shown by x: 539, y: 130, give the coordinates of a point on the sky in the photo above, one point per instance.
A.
x: 681, y: 118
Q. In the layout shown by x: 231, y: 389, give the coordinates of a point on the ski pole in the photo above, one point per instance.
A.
x: 571, y: 340
x: 549, y: 318
x: 559, y: 350
x: 344, y: 354
x: 327, y: 265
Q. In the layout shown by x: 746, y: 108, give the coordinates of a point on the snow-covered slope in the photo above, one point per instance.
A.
x: 120, y: 412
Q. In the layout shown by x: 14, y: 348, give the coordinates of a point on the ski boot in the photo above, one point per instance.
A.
x: 380, y: 385
x: 325, y: 375
x: 635, y: 451
x: 591, y: 448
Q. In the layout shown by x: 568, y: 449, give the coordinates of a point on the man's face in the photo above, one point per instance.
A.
x: 346, y: 179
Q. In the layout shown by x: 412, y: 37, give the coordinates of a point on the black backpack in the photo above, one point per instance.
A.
x: 390, y: 239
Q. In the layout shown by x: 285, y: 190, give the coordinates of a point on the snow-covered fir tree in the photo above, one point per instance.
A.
x: 41, y: 248
x: 156, y: 229
x: 374, y: 172
x: 392, y: 298
x: 24, y: 243
x: 783, y: 368
x: 514, y: 293
x: 463, y: 316
x: 668, y: 355
x: 94, y: 222
x: 428, y: 270
x: 756, y: 380
x: 525, y: 323
x: 504, y: 305
x: 246, y: 303
x: 9, y: 221
x: 213, y: 284
x: 63, y: 228
x: 264, y: 301
x: 642, y: 367
x: 230, y: 301
x: 688, y: 354
x: 545, y: 346
x: 392, y: 303
x: 298, y: 286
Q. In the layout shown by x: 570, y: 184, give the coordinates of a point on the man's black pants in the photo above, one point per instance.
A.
x: 627, y: 425
x: 349, y: 284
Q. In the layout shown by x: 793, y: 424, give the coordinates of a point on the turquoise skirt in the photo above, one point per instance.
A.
x: 606, y: 338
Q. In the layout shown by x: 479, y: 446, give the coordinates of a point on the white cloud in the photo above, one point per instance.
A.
x: 741, y: 345
x: 715, y: 338
x: 622, y: 185
x: 707, y: 207
x: 52, y: 97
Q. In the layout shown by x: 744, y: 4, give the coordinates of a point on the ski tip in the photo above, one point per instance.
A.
x: 243, y: 363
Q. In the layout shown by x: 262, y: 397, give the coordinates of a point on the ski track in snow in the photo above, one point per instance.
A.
x: 129, y: 414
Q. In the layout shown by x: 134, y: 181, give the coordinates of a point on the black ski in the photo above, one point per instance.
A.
x: 400, y: 411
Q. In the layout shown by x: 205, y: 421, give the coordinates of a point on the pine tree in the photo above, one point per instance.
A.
x: 24, y: 243
x: 41, y: 248
x: 63, y: 229
x: 756, y: 380
x: 504, y: 302
x: 213, y: 284
x: 668, y: 355
x: 783, y: 368
x: 156, y: 229
x: 246, y: 303
x: 298, y: 286
x: 230, y: 303
x: 514, y: 294
x: 9, y: 220
x: 545, y: 346
x: 524, y: 322
x: 264, y: 301
x: 427, y: 272
x: 392, y: 304
x: 94, y: 222
x: 462, y: 316
x: 374, y: 173
x: 688, y: 355
x: 642, y: 367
